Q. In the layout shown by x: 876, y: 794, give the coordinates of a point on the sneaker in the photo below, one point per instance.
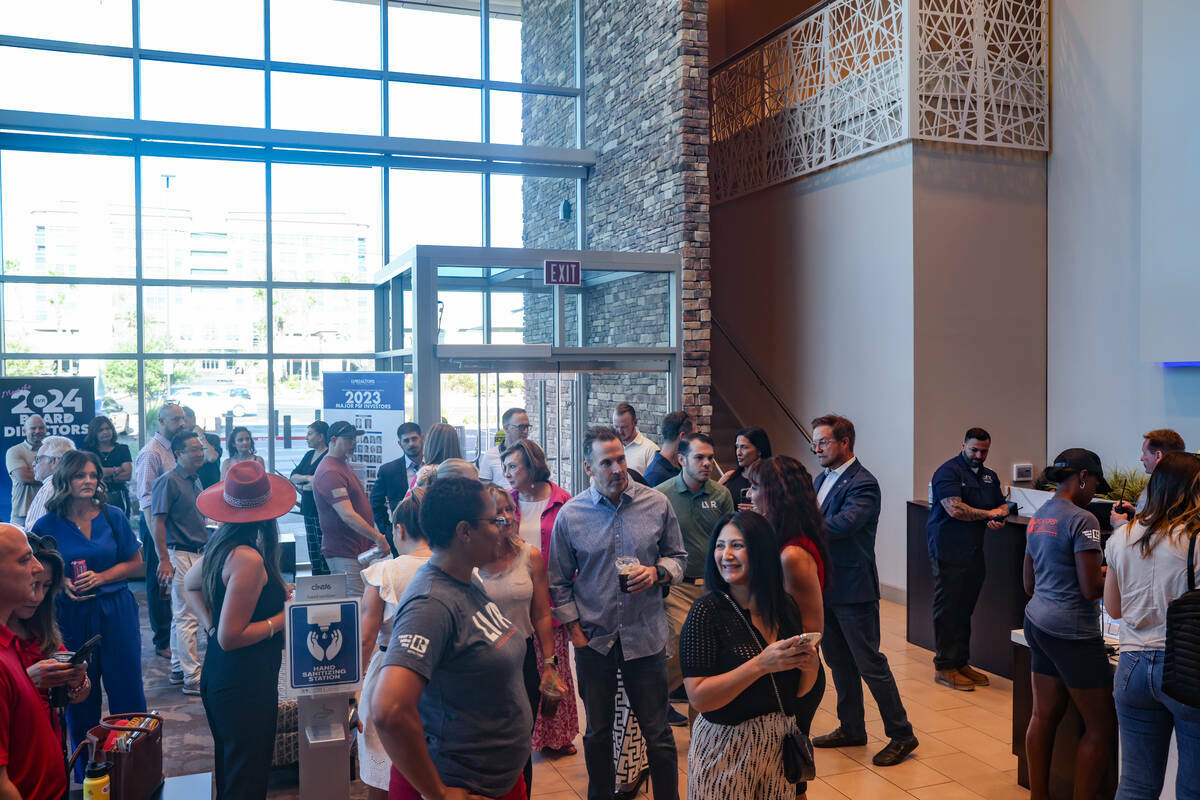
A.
x: 975, y: 676
x: 176, y: 677
x: 675, y: 719
x: 839, y: 738
x: 953, y: 679
x: 896, y: 751
x: 192, y: 688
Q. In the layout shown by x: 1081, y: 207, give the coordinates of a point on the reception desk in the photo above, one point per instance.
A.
x: 1001, y: 605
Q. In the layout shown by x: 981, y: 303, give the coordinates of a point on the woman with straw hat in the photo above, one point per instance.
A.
x: 238, y: 593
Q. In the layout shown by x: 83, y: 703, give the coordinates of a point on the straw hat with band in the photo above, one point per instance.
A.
x: 248, y: 494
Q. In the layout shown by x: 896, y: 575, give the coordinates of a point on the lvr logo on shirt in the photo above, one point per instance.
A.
x: 492, y: 624
x: 706, y: 504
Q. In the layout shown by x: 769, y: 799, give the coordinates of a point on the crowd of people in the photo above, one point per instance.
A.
x: 664, y: 581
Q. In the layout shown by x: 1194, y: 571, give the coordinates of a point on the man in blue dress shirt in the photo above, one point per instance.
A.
x: 613, y: 629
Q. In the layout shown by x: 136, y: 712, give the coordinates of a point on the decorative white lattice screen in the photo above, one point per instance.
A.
x: 859, y: 75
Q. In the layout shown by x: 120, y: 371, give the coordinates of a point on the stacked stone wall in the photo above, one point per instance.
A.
x: 646, y: 118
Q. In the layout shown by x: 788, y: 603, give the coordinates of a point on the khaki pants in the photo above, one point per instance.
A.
x: 679, y: 603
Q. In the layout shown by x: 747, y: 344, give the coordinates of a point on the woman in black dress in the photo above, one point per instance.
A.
x: 238, y: 593
x: 115, y: 460
x: 317, y: 439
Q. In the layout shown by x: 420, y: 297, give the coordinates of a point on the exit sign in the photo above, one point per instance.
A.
x: 563, y: 273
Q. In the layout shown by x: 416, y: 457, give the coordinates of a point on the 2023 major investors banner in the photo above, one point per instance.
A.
x: 66, y: 405
x: 374, y: 403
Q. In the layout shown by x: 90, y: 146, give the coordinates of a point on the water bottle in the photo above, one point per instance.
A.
x: 96, y: 780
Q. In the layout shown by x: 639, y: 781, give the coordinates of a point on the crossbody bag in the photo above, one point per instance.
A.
x: 799, y: 761
x: 1181, y: 662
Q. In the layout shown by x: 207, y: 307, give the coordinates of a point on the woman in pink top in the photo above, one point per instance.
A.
x: 538, y: 502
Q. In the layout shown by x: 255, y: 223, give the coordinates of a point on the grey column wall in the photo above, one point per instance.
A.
x: 979, y: 231
x: 814, y: 279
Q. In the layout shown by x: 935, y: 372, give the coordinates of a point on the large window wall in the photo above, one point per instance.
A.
x: 226, y: 259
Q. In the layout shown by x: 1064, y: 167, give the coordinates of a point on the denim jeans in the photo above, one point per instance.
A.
x: 1146, y: 718
x: 851, y: 647
x: 646, y: 685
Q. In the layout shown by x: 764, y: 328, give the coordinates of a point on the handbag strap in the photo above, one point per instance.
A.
x: 761, y: 648
x: 1192, y: 564
x: 106, y: 724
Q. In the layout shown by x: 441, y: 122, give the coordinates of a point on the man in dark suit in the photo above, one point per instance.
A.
x: 849, y: 498
x: 394, y: 478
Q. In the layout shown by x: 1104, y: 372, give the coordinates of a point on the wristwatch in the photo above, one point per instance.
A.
x: 552, y: 660
x: 663, y: 575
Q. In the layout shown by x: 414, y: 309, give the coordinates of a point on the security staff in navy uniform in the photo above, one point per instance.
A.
x: 967, y: 501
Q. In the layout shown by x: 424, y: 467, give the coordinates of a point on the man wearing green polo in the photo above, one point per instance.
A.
x: 699, y: 504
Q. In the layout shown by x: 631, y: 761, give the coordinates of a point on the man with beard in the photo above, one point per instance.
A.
x: 967, y: 501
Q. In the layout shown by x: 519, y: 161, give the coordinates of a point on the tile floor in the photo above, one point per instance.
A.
x: 965, y: 750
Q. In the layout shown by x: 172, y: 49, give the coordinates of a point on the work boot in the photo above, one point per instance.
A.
x: 975, y: 676
x: 954, y: 679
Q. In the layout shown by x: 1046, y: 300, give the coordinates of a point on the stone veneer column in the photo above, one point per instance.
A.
x: 647, y: 119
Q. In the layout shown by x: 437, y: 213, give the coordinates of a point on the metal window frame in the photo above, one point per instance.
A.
x: 137, y: 138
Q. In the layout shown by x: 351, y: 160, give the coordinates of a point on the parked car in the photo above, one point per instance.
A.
x: 215, y: 401
x: 124, y: 420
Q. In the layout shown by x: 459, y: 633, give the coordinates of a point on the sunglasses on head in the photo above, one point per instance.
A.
x: 42, y: 544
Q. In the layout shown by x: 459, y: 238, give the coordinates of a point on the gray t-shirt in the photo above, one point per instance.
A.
x: 174, y: 494
x: 1057, y: 531
x: 474, y: 709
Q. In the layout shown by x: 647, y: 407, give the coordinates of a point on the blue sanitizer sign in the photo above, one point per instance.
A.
x: 323, y: 647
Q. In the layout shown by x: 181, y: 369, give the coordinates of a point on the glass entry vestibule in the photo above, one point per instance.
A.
x: 479, y: 331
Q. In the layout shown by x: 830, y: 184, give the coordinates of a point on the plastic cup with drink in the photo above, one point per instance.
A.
x: 626, y: 566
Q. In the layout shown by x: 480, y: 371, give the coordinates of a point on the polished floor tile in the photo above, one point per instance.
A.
x: 965, y: 751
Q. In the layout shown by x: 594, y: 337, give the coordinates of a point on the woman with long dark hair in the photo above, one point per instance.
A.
x: 1064, y: 581
x: 238, y: 593
x: 751, y: 445
x: 782, y: 491
x: 1147, y: 569
x: 116, y: 462
x: 745, y: 666
x: 38, y: 637
x: 98, y: 601
x: 241, y: 450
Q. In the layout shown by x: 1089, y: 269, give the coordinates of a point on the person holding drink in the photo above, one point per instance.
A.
x: 98, y: 600
x: 617, y: 620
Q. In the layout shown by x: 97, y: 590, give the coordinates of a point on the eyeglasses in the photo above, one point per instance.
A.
x: 500, y: 522
x: 523, y: 428
x: 821, y: 444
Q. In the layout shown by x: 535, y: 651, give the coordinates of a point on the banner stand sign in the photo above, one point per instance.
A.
x: 322, y: 656
x: 65, y: 404
x: 374, y: 403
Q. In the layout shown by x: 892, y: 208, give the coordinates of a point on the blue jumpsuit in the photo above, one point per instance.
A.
x: 116, y: 663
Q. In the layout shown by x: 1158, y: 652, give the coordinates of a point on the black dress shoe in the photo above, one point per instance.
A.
x: 896, y: 751
x: 839, y: 738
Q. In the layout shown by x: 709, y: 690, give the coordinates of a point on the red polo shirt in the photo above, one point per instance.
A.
x: 28, y: 745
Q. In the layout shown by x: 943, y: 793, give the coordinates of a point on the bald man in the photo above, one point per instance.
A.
x: 30, y: 752
x: 19, y: 462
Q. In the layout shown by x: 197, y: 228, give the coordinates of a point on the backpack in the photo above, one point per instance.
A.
x: 1181, y: 665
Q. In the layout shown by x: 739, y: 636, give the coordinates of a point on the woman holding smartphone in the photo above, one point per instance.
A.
x: 745, y: 664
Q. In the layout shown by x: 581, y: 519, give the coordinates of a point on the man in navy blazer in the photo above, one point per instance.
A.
x: 849, y: 498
